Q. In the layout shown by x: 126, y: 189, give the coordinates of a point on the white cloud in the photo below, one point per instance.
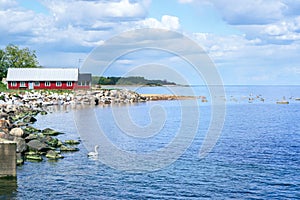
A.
x: 250, y: 11
x: 79, y: 12
x: 166, y: 22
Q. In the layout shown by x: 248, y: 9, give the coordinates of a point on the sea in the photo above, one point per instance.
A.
x: 152, y: 150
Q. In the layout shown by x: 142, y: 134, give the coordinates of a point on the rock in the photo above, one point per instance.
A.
x: 53, y: 142
x: 6, y: 136
x: 21, y: 144
x: 53, y: 155
x: 20, y: 124
x: 31, y: 129
x: 18, y: 132
x: 66, y: 148
x: 4, y: 125
x: 43, y: 112
x: 51, y: 132
x: 29, y: 119
x: 59, y: 144
x: 36, y: 145
x: 2, y: 135
x: 34, y: 112
x: 72, y: 142
x: 34, y: 157
x: 4, y: 115
x: 20, y: 159
x: 31, y: 137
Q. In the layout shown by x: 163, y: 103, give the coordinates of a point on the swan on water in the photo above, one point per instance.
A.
x: 94, y: 153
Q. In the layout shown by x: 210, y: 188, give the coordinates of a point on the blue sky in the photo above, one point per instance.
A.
x: 249, y: 41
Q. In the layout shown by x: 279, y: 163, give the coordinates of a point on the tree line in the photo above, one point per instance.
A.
x: 14, y: 57
x: 131, y: 80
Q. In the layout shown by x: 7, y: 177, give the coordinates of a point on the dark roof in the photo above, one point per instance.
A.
x: 85, y: 77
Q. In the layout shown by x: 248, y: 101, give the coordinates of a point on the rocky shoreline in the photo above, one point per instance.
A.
x: 32, y: 144
x: 18, y: 111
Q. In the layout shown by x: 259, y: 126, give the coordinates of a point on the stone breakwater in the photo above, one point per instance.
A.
x: 39, y: 99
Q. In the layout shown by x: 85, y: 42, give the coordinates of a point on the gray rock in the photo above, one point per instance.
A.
x: 31, y: 137
x: 21, y: 144
x: 6, y: 136
x: 36, y: 145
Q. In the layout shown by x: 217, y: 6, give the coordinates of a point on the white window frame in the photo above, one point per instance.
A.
x: 69, y: 84
x: 36, y: 83
x: 22, y: 84
x: 47, y: 83
x: 13, y: 83
x: 58, y: 83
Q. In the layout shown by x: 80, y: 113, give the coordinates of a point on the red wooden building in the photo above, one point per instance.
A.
x: 47, y: 78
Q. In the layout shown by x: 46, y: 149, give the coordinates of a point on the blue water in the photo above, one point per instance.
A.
x: 256, y: 157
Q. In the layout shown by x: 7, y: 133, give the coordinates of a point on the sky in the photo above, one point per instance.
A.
x: 250, y: 42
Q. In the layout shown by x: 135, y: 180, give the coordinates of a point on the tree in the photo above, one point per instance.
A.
x: 2, y: 65
x: 14, y: 57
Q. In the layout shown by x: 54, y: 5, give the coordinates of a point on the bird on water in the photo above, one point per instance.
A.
x: 94, y: 153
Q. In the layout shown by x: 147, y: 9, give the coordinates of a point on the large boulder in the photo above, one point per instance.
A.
x: 36, y: 145
x: 18, y: 132
x: 21, y: 144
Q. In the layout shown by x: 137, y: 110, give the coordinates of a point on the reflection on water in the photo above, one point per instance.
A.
x: 8, y: 188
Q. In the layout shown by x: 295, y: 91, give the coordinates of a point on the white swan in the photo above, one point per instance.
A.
x: 95, y: 153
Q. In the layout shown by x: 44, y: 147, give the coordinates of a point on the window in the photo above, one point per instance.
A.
x: 79, y: 83
x: 58, y: 83
x: 47, y: 83
x: 36, y: 83
x: 13, y: 84
x: 22, y: 84
x: 69, y: 83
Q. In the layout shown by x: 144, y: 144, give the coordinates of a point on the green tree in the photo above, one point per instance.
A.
x: 14, y: 57
x: 2, y: 65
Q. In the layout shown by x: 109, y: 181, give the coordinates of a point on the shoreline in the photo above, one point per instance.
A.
x: 19, y: 109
